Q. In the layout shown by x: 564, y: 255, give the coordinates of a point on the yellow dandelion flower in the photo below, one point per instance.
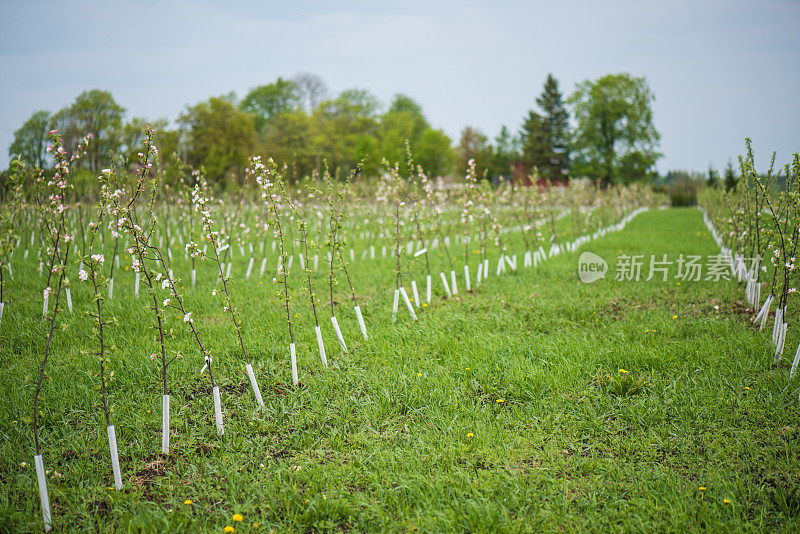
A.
x: 623, y: 371
x: 726, y: 501
x: 470, y: 435
x: 419, y: 374
x: 500, y: 401
x: 467, y: 368
x: 260, y: 283
x: 228, y: 528
x: 674, y: 316
x: 237, y: 517
x: 424, y: 304
x: 677, y: 283
x: 746, y: 388
x: 702, y: 488
x: 187, y: 502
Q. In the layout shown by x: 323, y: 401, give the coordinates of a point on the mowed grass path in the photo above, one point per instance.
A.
x: 491, y: 413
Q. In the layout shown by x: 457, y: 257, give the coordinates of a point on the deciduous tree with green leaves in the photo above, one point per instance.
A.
x: 30, y: 141
x: 218, y: 136
x: 615, y: 140
x: 94, y: 112
x: 267, y: 101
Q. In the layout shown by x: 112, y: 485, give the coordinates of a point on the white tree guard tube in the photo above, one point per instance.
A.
x: 394, y: 304
x: 415, y: 293
x: 228, y: 270
x: 249, y: 267
x: 136, y: 286
x: 779, y: 344
x: 316, y: 261
x: 453, y: 285
x: 112, y: 445
x: 110, y: 289
x: 501, y: 264
x: 293, y: 353
x: 302, y: 262
x: 338, y: 333
x: 466, y: 278
x: 764, y: 310
x: 361, y: 322
x: 428, y: 288
x: 776, y: 328
x: 795, y: 362
x: 444, y: 283
x: 69, y: 299
x: 116, y: 260
x: 218, y: 411
x: 2, y: 305
x: 757, y: 296
x: 43, y: 497
x: 480, y: 273
x: 263, y: 266
x: 485, y: 268
x: 194, y: 276
x: 764, y: 317
x: 45, y: 306
x: 408, y: 303
x: 321, y: 344
x: 165, y: 424
x: 256, y: 390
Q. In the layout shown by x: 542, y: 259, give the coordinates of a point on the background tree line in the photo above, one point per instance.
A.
x: 603, y: 131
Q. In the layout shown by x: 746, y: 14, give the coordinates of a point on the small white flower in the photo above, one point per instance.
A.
x: 188, y: 318
x: 213, y: 292
x: 98, y: 258
x: 166, y: 302
x: 47, y: 291
x: 83, y: 275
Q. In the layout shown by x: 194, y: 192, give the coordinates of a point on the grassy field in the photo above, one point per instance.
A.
x: 535, y: 404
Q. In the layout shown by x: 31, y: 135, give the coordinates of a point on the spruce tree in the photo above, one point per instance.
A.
x: 730, y: 178
x: 546, y: 134
x: 712, y: 180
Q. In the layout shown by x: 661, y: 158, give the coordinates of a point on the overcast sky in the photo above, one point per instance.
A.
x: 720, y: 71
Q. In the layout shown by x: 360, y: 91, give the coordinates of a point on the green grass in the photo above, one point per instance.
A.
x: 406, y: 431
